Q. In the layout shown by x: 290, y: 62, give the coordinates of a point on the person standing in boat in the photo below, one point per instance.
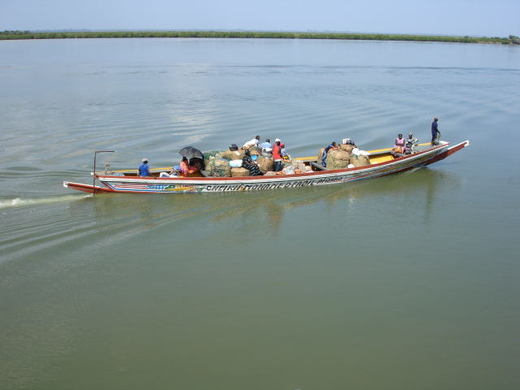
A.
x: 332, y: 145
x: 266, y: 146
x: 252, y: 143
x: 277, y: 155
x: 436, y: 134
x: 284, y: 153
x: 144, y: 169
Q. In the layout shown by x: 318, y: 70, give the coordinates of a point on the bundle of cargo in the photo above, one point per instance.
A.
x: 288, y: 170
x: 211, y: 153
x: 208, y: 155
x: 347, y: 148
x: 218, y: 167
x: 237, y: 172
x: 320, y: 155
x: 360, y: 160
x: 298, y: 165
x: 255, y: 151
x: 235, y: 163
x: 265, y: 163
x: 337, y: 159
x: 233, y: 154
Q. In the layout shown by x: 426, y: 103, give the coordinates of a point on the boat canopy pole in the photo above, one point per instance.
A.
x: 94, y: 172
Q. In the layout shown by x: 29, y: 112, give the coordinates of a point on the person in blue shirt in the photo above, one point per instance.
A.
x: 436, y: 134
x: 144, y: 169
x: 326, y: 151
x: 266, y: 147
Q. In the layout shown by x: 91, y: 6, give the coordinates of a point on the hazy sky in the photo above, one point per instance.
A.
x: 455, y: 17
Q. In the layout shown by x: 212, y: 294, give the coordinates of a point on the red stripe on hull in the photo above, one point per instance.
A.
x: 88, y: 188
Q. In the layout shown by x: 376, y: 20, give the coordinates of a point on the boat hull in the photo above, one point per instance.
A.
x: 126, y: 184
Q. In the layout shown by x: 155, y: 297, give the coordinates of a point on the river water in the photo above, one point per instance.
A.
x: 404, y: 282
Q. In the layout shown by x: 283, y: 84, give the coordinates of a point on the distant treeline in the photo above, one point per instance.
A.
x: 252, y: 34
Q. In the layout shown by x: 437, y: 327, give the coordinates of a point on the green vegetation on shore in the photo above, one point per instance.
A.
x: 5, y: 35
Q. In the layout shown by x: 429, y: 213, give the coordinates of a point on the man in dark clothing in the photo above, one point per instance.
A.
x: 332, y: 145
x: 436, y: 134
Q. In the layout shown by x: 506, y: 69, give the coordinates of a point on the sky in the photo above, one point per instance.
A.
x: 445, y: 17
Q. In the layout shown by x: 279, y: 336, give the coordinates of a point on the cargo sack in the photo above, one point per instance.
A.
x: 235, y: 163
x: 218, y: 167
x: 337, y: 159
x: 265, y: 164
x: 210, y: 155
x: 346, y: 148
x: 359, y: 161
x: 319, y: 156
x: 238, y: 172
x: 288, y: 170
x: 233, y: 154
x: 255, y: 151
x: 298, y: 164
x: 213, y: 153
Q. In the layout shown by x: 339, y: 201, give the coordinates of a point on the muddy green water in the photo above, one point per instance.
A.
x: 405, y: 282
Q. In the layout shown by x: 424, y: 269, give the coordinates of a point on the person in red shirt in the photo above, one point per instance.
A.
x: 277, y: 155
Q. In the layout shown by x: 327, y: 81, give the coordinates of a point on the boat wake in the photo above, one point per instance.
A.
x: 19, y: 202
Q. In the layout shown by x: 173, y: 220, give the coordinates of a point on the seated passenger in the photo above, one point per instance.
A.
x: 173, y: 173
x: 191, y: 168
x: 194, y: 168
x: 399, y: 145
x: 411, y: 142
x: 184, y: 167
x: 197, y: 163
x: 250, y: 165
x: 144, y: 169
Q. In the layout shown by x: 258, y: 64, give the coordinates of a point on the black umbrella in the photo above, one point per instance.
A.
x: 190, y: 152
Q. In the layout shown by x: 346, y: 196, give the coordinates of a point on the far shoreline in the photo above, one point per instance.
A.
x: 25, y: 35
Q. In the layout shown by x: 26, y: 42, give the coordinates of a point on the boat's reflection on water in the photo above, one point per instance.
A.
x: 266, y: 209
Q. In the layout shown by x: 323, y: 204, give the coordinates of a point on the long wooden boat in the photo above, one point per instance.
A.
x: 382, y: 163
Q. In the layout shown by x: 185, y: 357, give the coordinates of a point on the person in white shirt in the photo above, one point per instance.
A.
x: 251, y: 143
